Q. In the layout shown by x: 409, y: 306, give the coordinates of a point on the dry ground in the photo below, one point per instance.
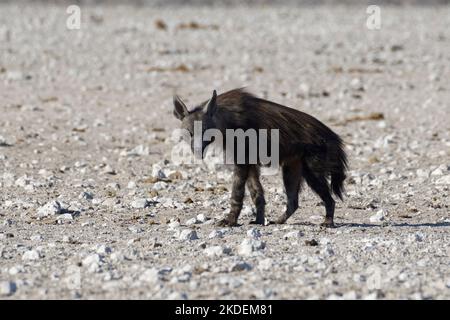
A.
x: 86, y: 120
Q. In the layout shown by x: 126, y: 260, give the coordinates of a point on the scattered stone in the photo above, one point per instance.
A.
x: 443, y: 180
x: 241, y: 266
x: 188, y: 234
x: 312, y: 243
x: 201, y: 218
x: 103, y: 250
x: 157, y: 171
x: 36, y: 238
x: 65, y: 217
x: 191, y: 221
x: 7, y: 288
x: 31, y: 255
x: 293, y: 235
x: 92, y: 262
x: 160, y: 185
x: 140, y: 203
x: 140, y: 150
x: 265, y: 264
x: 216, y: 234
x: 327, y: 251
x: 380, y: 216
x: 423, y: 173
x: 109, y: 170
x: 250, y: 246
x: 254, y: 233
x: 86, y: 196
x: 150, y: 276
x: 50, y: 209
x: 217, y: 251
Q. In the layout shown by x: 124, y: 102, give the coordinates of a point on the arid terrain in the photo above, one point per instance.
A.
x: 93, y: 206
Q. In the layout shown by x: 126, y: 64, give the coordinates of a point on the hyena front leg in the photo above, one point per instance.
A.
x: 240, y: 176
x: 292, y: 179
x: 257, y: 193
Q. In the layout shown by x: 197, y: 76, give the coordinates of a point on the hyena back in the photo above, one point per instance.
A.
x: 308, y: 150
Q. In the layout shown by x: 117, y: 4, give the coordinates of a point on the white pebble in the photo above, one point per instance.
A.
x: 379, y: 216
x: 49, y: 209
x: 7, y: 288
x: 188, y: 234
x: 31, y: 255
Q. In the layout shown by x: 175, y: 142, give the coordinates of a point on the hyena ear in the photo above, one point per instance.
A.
x: 180, y: 111
x: 211, y: 106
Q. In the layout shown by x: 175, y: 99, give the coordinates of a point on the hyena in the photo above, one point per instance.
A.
x: 308, y: 150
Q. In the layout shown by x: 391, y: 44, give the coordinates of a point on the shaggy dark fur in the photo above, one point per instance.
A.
x: 309, y: 150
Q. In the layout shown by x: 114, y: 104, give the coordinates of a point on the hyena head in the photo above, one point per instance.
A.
x: 202, y: 115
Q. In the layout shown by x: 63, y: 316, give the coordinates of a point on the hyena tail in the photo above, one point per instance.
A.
x: 337, y: 163
x: 328, y: 161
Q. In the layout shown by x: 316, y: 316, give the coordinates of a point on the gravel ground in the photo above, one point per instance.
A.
x: 91, y: 205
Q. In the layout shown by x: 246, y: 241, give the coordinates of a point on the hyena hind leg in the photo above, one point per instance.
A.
x: 292, y: 179
x: 320, y: 186
x: 240, y: 176
x: 257, y: 194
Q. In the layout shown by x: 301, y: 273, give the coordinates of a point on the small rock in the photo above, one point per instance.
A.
x: 423, y: 173
x: 16, y: 270
x: 140, y: 150
x: 216, y: 234
x: 254, y: 233
x: 86, y: 196
x: 139, y: 203
x: 379, y: 216
x: 50, y: 209
x: 311, y: 243
x: 160, y: 185
x: 65, y: 217
x: 265, y: 264
x: 191, y: 221
x: 293, y: 235
x: 202, y: 218
x: 67, y: 239
x: 443, y: 180
x: 92, y: 263
x: 7, y: 288
x: 439, y: 171
x: 109, y: 170
x: 103, y: 250
x: 23, y: 181
x: 31, y: 255
x: 36, y: 238
x: 157, y: 171
x: 241, y: 266
x: 150, y: 275
x: 249, y: 246
x: 327, y: 251
x: 217, y: 251
x: 110, y: 202
x: 174, y: 225
x: 113, y: 186
x: 188, y: 234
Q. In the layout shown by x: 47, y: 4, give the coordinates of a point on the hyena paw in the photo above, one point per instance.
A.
x: 261, y: 222
x: 226, y: 223
x: 328, y: 224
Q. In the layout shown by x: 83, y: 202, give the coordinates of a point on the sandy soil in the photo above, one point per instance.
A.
x: 85, y: 126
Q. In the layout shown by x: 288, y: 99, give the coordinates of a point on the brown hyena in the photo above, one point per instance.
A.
x: 308, y: 150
